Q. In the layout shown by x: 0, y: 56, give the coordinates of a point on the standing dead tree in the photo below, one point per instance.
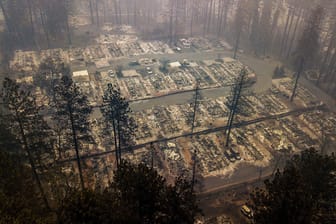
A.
x: 239, y: 23
x: 308, y: 45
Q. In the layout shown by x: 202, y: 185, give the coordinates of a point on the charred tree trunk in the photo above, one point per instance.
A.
x: 97, y: 13
x: 76, y: 145
x: 237, y: 44
x: 206, y: 18
x: 293, y: 35
x: 135, y: 12
x: 31, y: 21
x: 192, y: 17
x: 104, y: 11
x: 31, y: 161
x: 285, y: 31
x: 210, y: 16
x: 46, y: 32
x: 220, y: 18
x: 171, y: 21
x: 119, y: 139
x: 234, y: 105
x: 300, y: 70
x: 115, y: 142
x: 67, y: 25
x: 91, y: 11
x: 6, y: 17
x: 116, y: 11
x: 120, y: 14
x: 225, y: 15
x: 289, y: 30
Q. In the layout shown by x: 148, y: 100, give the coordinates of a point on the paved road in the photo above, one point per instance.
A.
x: 178, y: 98
x: 263, y: 68
x: 245, y: 173
x: 203, y: 132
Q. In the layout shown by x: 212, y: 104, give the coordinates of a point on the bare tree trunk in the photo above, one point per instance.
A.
x: 104, y: 11
x: 31, y: 21
x: 116, y: 11
x: 171, y: 21
x: 225, y: 15
x: 120, y: 15
x: 135, y: 12
x: 237, y: 45
x: 176, y: 21
x: 289, y: 30
x: 300, y: 70
x: 91, y: 12
x: 220, y: 17
x: 32, y: 163
x: 10, y: 26
x: 46, y: 32
x: 128, y: 14
x: 67, y: 22
x: 210, y: 14
x: 192, y: 17
x: 4, y: 12
x: 331, y: 45
x: 68, y: 32
x: 75, y: 141
x: 330, y: 69
x: 97, y: 13
x: 206, y: 18
x: 293, y: 35
x: 285, y: 31
x: 119, y: 139
x: 115, y: 142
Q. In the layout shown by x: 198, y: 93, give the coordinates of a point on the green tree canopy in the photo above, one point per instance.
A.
x: 138, y: 194
x: 20, y: 200
x: 304, y: 192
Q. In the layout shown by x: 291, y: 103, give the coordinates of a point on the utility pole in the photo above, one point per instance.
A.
x: 197, y: 95
x: 194, y: 159
x: 237, y: 89
x: 152, y: 154
x: 297, y: 78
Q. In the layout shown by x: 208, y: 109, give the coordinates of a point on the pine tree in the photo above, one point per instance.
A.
x: 304, y: 192
x: 138, y: 194
x: 27, y: 125
x: 116, y: 114
x: 72, y: 110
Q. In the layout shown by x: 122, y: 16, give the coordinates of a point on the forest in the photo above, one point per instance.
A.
x: 267, y: 28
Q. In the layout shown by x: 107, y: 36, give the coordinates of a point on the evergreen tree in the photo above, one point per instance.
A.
x: 27, y: 125
x: 73, y: 111
x: 20, y: 203
x: 138, y: 194
x: 304, y: 192
x: 116, y: 114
